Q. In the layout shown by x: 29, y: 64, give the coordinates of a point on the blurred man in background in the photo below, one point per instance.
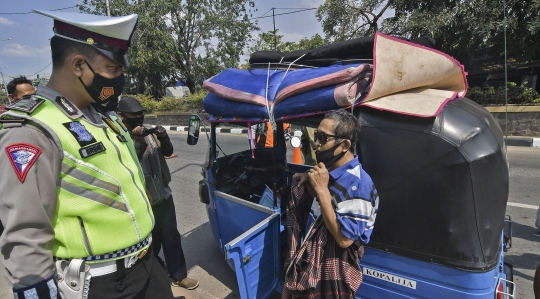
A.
x: 18, y: 88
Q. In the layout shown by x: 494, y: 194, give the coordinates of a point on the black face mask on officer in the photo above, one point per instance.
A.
x: 103, y: 90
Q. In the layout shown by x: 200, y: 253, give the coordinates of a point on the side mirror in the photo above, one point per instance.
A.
x: 193, y: 131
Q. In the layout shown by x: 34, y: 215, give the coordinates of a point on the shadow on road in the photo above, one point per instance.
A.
x: 203, y: 252
x: 185, y: 166
x: 528, y: 260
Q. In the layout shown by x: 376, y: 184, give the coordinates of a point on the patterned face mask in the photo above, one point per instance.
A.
x: 102, y: 89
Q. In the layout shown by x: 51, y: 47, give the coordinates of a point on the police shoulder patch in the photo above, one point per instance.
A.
x: 22, y: 156
x: 27, y: 105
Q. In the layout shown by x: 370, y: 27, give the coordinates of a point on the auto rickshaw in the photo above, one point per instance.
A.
x: 442, y: 181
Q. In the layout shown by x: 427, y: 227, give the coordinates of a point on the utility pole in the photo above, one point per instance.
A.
x: 274, y: 19
x: 3, y: 82
x: 108, y: 10
x: 505, y: 81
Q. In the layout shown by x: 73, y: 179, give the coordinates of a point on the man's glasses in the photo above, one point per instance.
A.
x: 323, y: 137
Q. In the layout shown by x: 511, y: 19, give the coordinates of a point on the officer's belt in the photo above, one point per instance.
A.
x: 100, y: 269
x: 118, y: 254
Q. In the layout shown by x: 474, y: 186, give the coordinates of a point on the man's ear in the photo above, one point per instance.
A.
x: 346, y: 145
x: 11, y: 97
x: 76, y: 63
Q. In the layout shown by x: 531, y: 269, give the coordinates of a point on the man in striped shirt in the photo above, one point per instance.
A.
x: 343, y: 204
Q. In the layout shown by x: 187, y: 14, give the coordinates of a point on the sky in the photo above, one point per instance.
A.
x: 28, y: 51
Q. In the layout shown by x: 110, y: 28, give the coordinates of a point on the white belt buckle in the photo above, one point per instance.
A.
x: 130, y: 261
x: 101, y: 269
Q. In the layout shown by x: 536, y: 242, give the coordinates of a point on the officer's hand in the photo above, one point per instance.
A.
x: 138, y: 131
x: 161, y: 132
x: 319, y: 177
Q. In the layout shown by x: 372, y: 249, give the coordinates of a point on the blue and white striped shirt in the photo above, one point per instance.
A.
x: 355, y: 201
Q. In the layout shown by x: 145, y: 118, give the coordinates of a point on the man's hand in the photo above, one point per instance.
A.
x: 161, y: 132
x: 318, y: 178
x: 138, y: 131
x: 303, y: 178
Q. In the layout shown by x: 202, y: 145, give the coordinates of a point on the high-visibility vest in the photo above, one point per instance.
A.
x: 266, y: 138
x: 102, y: 206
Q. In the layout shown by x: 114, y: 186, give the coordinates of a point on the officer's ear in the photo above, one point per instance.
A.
x: 77, y: 64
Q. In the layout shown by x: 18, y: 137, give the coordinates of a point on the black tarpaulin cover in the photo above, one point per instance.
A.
x: 353, y: 49
x: 442, y: 182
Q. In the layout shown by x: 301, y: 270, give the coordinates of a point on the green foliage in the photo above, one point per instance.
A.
x: 197, y: 98
x: 147, y: 102
x: 169, y: 104
x: 474, y: 28
x: 265, y: 42
x: 268, y: 41
x: 187, y: 40
x: 463, y: 29
x: 172, y: 104
x: 534, y: 24
x: 311, y: 43
x: 345, y: 19
x: 517, y: 95
x: 3, y: 98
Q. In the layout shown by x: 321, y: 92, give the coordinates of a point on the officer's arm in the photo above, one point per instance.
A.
x: 27, y: 207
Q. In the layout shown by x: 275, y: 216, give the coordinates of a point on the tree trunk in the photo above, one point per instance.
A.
x: 190, y: 83
x: 157, y: 86
x: 140, y: 84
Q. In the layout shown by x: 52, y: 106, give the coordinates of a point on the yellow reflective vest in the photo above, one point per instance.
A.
x: 102, y: 208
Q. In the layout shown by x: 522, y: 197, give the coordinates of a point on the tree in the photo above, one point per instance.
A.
x: 272, y: 41
x: 266, y: 42
x: 148, y: 55
x: 346, y: 19
x: 474, y: 28
x: 185, y: 40
x: 208, y: 36
x: 3, y: 98
x: 465, y: 29
x: 534, y: 24
x: 311, y: 43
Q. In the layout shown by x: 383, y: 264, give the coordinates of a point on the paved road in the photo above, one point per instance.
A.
x: 524, y: 190
x: 206, y: 264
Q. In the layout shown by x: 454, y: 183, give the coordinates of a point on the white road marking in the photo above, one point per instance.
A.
x: 536, y: 142
x: 520, y: 205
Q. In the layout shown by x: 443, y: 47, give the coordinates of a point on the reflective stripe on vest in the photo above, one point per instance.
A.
x: 102, y: 206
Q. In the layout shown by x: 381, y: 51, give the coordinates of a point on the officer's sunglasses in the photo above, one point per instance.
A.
x: 323, y: 137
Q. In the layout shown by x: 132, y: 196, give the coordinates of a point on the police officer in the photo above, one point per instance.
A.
x: 77, y: 219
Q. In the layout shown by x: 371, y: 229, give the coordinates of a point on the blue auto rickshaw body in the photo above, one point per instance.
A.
x: 443, y: 186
